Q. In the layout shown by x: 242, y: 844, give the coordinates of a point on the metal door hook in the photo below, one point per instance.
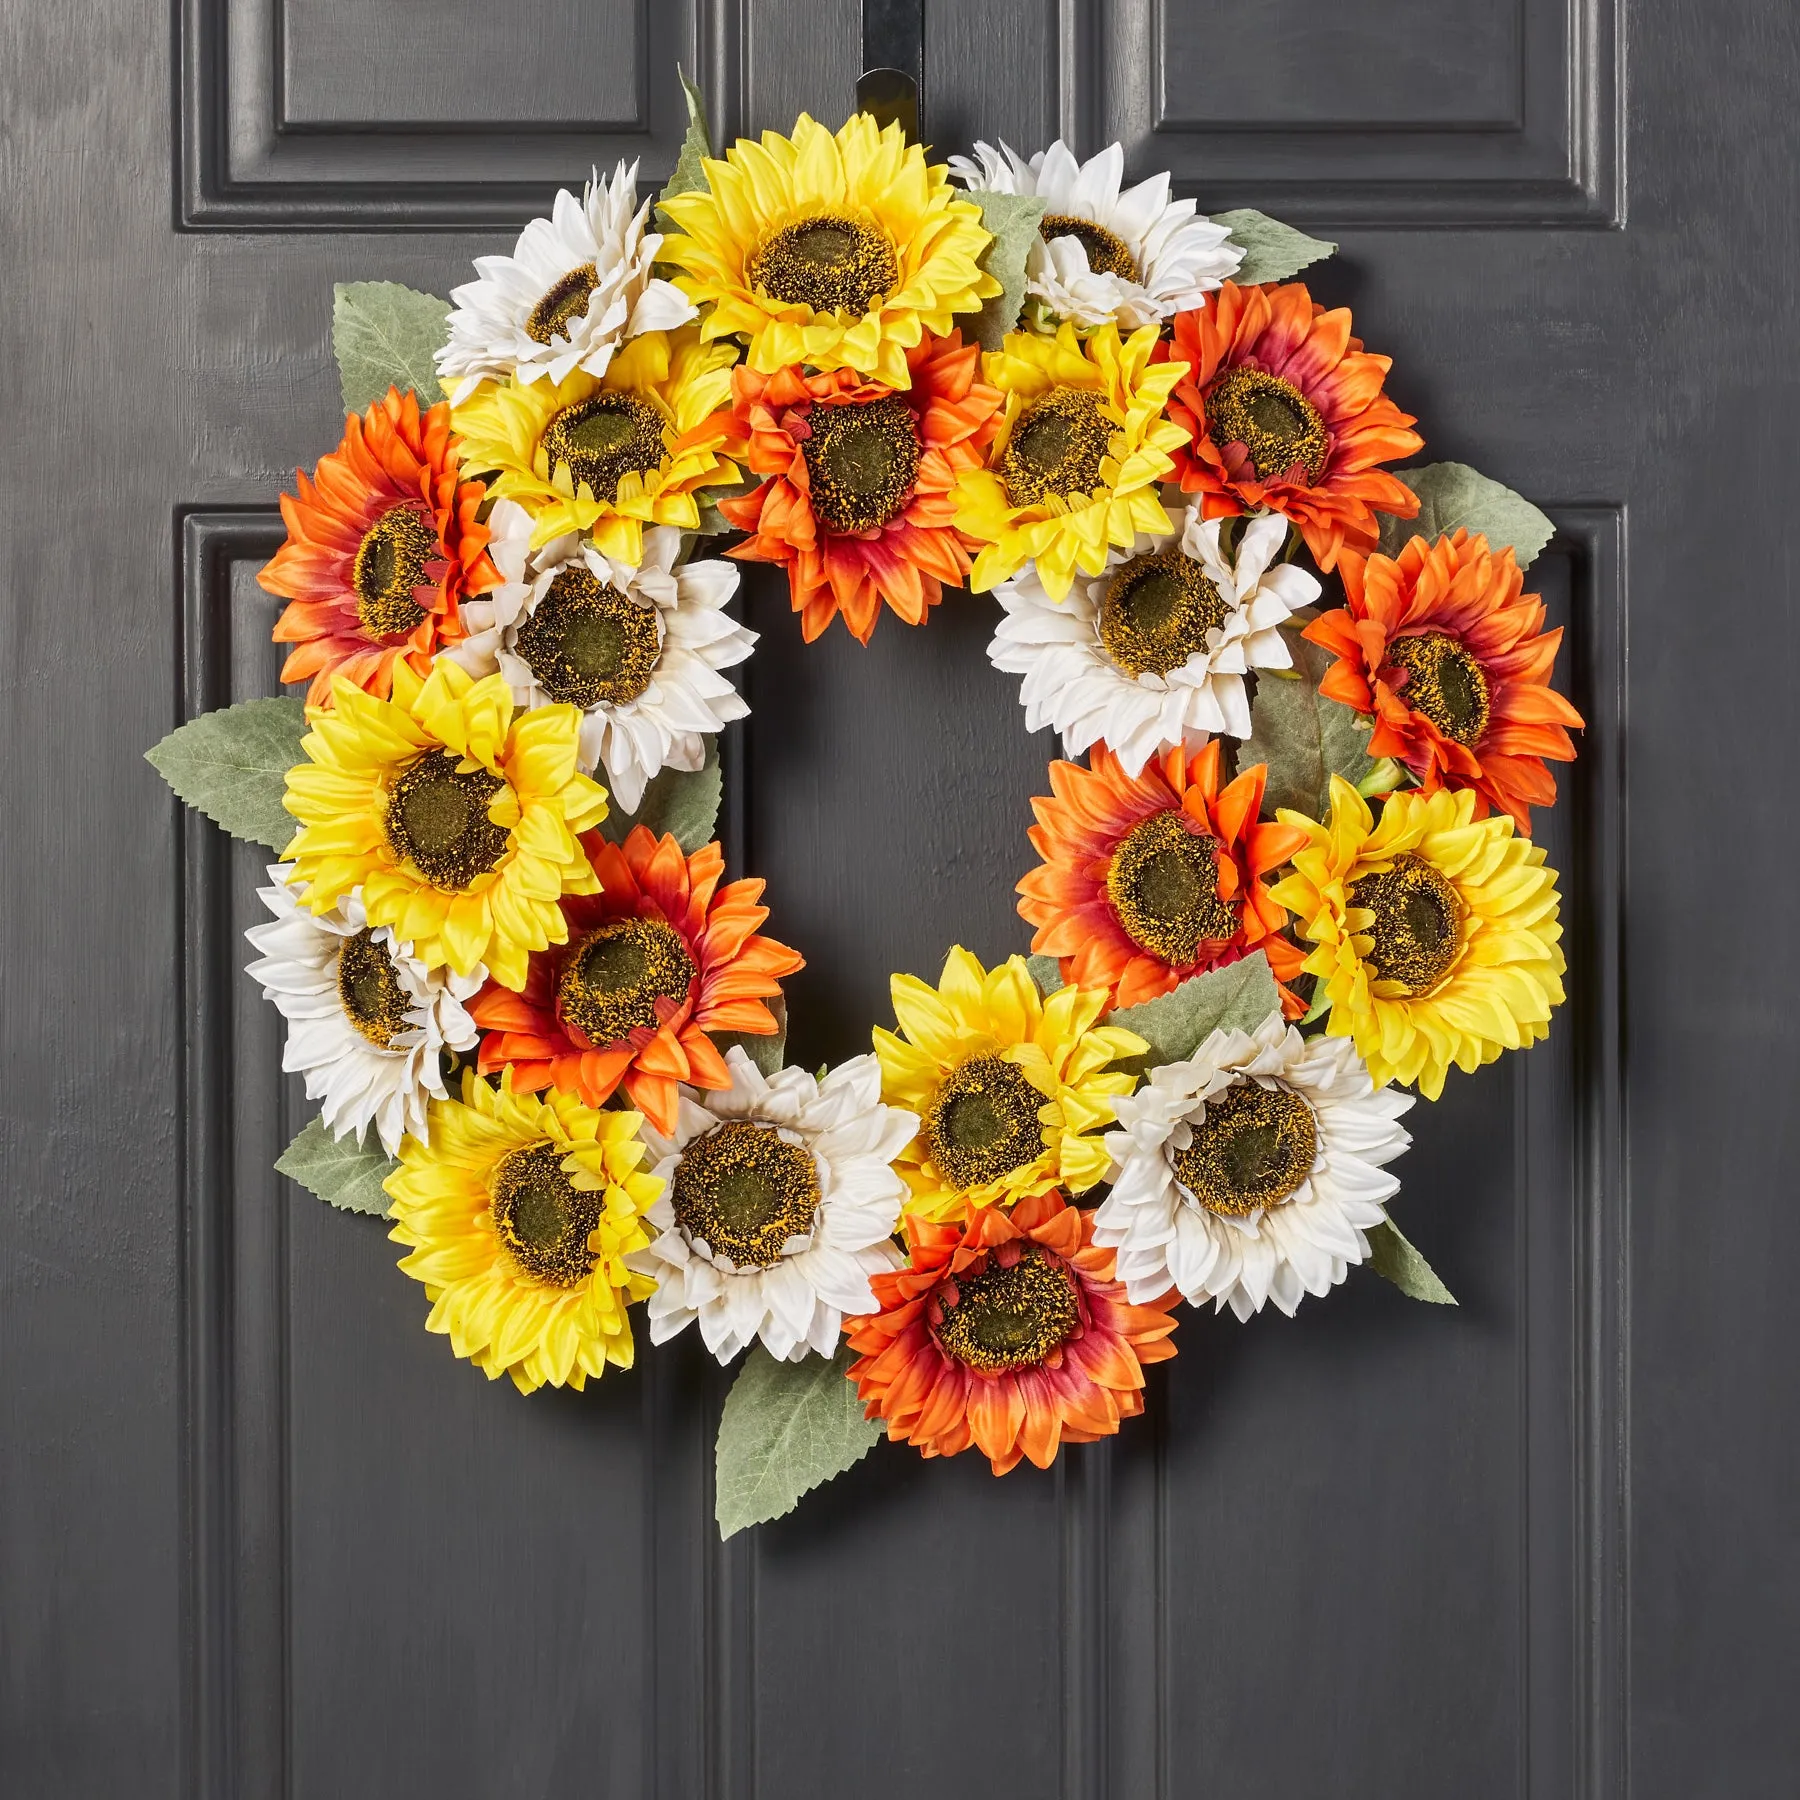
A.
x: 893, y: 33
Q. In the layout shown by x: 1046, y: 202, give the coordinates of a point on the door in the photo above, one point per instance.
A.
x: 261, y: 1537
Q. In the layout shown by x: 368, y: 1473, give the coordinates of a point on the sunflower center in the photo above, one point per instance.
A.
x: 746, y: 1191
x: 1445, y: 683
x: 1056, y: 447
x: 437, y: 814
x: 861, y: 462
x: 983, y: 1122
x: 1418, y: 923
x: 1107, y: 252
x: 1163, y: 884
x: 1271, y: 418
x: 369, y: 990
x: 1010, y: 1318
x: 586, y: 642
x: 1253, y: 1149
x: 1158, y: 611
x: 542, y: 1217
x: 603, y: 439
x: 390, y: 564
x: 566, y: 300
x: 611, y: 984
x: 827, y: 262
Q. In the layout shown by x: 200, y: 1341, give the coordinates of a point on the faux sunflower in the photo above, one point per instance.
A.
x: 607, y: 454
x: 838, y: 250
x: 1082, y: 448
x: 1438, y: 941
x: 518, y: 1217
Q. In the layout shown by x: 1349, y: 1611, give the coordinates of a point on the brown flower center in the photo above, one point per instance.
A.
x: 1056, y: 447
x: 605, y: 438
x: 1163, y: 884
x: 615, y: 976
x: 1158, y: 611
x: 586, y: 643
x: 1253, y: 1149
x: 1417, y: 930
x: 566, y: 300
x: 827, y: 262
x: 1271, y: 418
x: 745, y: 1191
x: 437, y: 816
x: 1107, y: 252
x: 983, y: 1122
x: 1008, y: 1318
x: 1445, y: 683
x: 369, y: 990
x: 542, y: 1217
x: 861, y: 463
x: 390, y: 564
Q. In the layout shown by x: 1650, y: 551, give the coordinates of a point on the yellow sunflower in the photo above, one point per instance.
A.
x: 1010, y: 1087
x: 519, y: 1215
x: 1075, y: 466
x: 611, y: 454
x: 456, y: 820
x: 834, y: 251
x: 1437, y: 932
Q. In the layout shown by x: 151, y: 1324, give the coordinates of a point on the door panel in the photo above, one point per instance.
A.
x: 261, y: 1536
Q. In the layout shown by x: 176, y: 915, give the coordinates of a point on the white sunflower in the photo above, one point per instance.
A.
x: 576, y: 286
x: 367, y: 1021
x: 1131, y: 258
x: 780, y: 1202
x: 637, y: 650
x: 1252, y: 1171
x: 1153, y: 652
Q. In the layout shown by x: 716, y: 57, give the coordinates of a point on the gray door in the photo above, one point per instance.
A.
x: 260, y: 1536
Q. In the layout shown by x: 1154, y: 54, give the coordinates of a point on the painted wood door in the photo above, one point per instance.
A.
x: 261, y: 1537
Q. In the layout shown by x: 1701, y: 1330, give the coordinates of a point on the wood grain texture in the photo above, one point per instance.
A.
x: 261, y: 1536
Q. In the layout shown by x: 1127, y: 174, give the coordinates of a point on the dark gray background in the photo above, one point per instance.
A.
x: 260, y: 1536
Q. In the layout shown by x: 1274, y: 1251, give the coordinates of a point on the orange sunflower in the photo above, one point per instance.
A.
x: 860, y: 503
x: 1149, y: 879
x: 1447, y: 651
x: 1285, y: 411
x: 1006, y: 1331
x: 655, y: 960
x: 383, y: 542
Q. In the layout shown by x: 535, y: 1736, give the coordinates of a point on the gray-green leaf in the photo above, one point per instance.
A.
x: 767, y: 1050
x: 1013, y: 220
x: 1237, y: 997
x: 679, y: 801
x: 696, y: 146
x: 1453, y: 496
x: 786, y: 1428
x: 1272, y: 251
x: 347, y: 1172
x: 1395, y: 1260
x: 233, y: 764
x: 1046, y: 971
x: 385, y: 335
x: 1304, y: 737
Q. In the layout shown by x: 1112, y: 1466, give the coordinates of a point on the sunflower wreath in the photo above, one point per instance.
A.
x: 1285, y: 874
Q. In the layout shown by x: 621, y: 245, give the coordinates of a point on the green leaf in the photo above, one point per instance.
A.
x: 677, y: 800
x: 1395, y: 1260
x: 1237, y: 997
x: 696, y: 146
x: 714, y: 523
x: 767, y: 1050
x: 1303, y: 737
x: 1453, y: 496
x: 1272, y: 251
x: 786, y: 1428
x: 1046, y: 971
x: 1012, y: 220
x: 348, y: 1172
x: 233, y: 764
x: 385, y: 335
x: 1321, y: 1000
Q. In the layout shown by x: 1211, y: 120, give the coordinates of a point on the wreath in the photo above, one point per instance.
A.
x: 1284, y: 874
